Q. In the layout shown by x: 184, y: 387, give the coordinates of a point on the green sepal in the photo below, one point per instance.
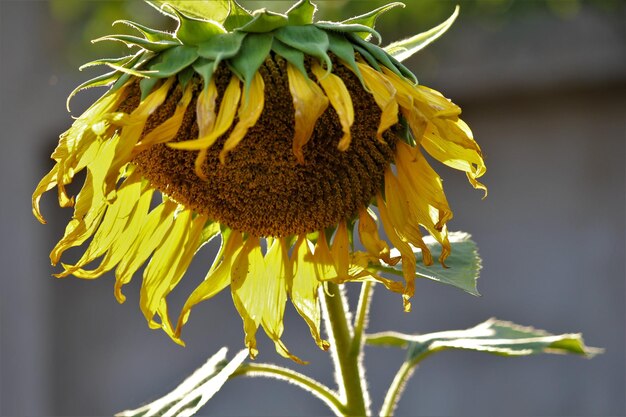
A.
x: 221, y: 46
x: 104, y: 61
x: 342, y: 47
x: 403, y: 49
x: 404, y: 70
x: 237, y: 16
x: 172, y: 61
x: 368, y: 57
x: 292, y: 55
x: 349, y: 28
x: 205, y: 68
x: 185, y: 76
x: 134, y: 41
x: 136, y: 64
x: 254, y: 50
x: 378, y: 53
x: 99, y: 81
x: 405, y: 133
x: 130, y: 71
x: 264, y: 21
x: 146, y: 85
x: 149, y: 33
x: 216, y: 10
x: 369, y: 19
x: 301, y: 13
x: 193, y: 31
x: 308, y: 39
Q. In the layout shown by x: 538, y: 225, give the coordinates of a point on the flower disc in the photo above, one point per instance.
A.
x: 261, y: 188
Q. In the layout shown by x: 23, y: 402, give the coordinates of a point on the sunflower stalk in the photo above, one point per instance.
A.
x: 348, y: 362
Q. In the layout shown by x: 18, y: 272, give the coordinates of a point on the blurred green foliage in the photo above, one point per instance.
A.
x: 78, y: 21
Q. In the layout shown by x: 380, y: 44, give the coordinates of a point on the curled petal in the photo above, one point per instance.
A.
x: 384, y: 94
x: 340, y: 99
x: 368, y: 234
x: 250, y: 110
x: 309, y: 103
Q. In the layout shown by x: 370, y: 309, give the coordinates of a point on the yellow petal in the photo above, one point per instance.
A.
x: 216, y: 280
x: 309, y: 103
x: 404, y: 219
x: 122, y: 245
x: 303, y: 290
x: 323, y: 260
x: 368, y: 234
x: 206, y: 109
x: 115, y: 219
x: 384, y: 94
x: 166, y: 131
x: 341, y: 250
x: 130, y: 135
x: 340, y: 99
x: 169, y: 261
x: 153, y: 231
x: 225, y: 117
x: 249, y: 112
x: 46, y: 184
x: 408, y: 257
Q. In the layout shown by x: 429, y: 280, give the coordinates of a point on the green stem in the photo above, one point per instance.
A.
x: 347, y: 361
x: 398, y: 384
x: 308, y: 384
x: 360, y: 321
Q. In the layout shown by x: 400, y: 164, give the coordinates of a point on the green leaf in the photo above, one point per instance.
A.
x: 493, y: 336
x: 195, y: 391
x: 264, y: 21
x: 403, y: 49
x: 301, y: 13
x: 205, y: 68
x: 463, y: 264
x: 172, y: 61
x: 369, y: 19
x: 379, y: 54
x: 216, y: 10
x: 308, y: 39
x: 146, y: 85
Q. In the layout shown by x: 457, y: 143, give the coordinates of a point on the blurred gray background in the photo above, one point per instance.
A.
x: 541, y: 83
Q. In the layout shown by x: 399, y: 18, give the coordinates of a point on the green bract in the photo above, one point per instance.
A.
x: 211, y: 32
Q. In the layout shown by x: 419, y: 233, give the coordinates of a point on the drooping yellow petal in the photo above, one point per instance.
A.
x: 130, y: 135
x: 368, y: 234
x: 408, y: 257
x: 48, y: 182
x: 225, y: 117
x: 340, y: 99
x: 152, y: 232
x: 122, y: 245
x: 424, y: 191
x: 451, y: 143
x: 115, y: 219
x: 250, y: 110
x: 216, y: 280
x: 341, y: 250
x: 166, y: 131
x: 169, y: 261
x: 304, y: 288
x: 323, y: 260
x: 384, y: 94
x: 402, y: 216
x: 206, y: 109
x: 259, y: 292
x: 309, y: 103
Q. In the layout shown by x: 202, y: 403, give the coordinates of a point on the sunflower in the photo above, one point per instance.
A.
x: 274, y: 133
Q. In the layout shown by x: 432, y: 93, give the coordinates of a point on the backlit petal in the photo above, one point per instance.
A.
x: 384, y: 94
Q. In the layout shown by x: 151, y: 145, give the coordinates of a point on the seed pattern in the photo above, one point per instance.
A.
x: 262, y: 189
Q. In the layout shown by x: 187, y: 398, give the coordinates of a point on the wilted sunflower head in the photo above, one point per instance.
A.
x: 275, y: 133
